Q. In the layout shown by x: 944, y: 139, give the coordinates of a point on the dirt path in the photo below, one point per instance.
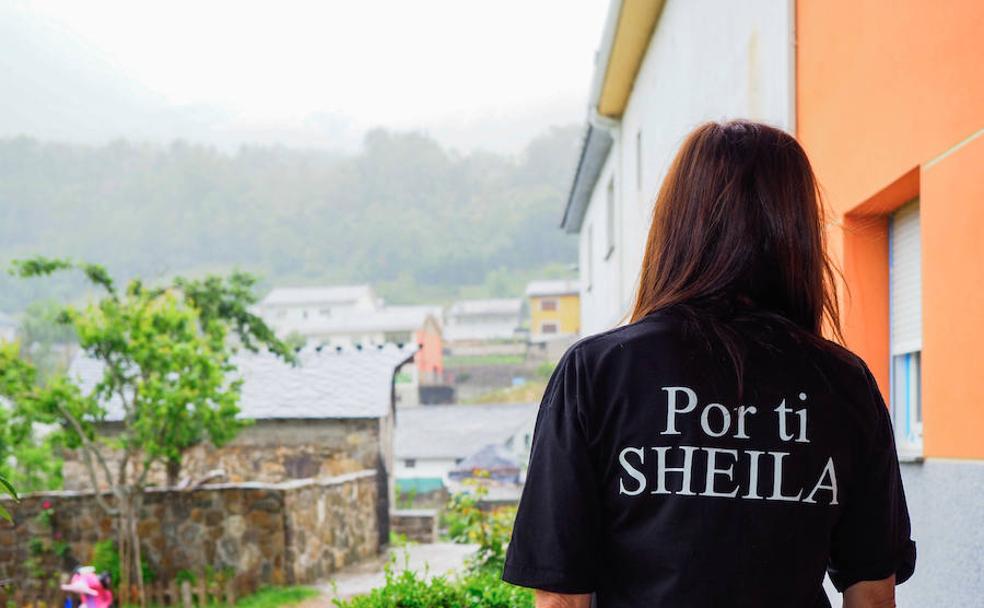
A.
x: 434, y: 559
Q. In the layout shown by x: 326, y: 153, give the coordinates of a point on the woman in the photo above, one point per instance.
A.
x: 717, y: 450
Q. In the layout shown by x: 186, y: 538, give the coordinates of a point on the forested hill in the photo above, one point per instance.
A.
x: 419, y: 221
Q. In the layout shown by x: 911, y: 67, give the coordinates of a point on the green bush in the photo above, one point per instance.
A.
x: 106, y: 558
x: 478, y: 586
x: 470, y: 589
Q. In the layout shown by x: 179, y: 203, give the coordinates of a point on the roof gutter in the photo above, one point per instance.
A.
x: 628, y: 29
x: 598, y: 134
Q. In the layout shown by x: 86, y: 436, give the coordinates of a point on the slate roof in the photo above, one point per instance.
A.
x: 293, y: 296
x: 559, y: 287
x: 478, y: 307
x: 493, y: 457
x: 456, y: 431
x: 390, y: 318
x: 330, y: 383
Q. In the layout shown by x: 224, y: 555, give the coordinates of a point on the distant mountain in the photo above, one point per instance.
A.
x: 418, y: 221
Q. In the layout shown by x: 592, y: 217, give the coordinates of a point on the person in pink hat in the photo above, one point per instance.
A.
x: 93, y: 590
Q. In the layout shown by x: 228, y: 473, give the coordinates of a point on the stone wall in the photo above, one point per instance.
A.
x: 269, y: 451
x: 324, y: 532
x: 418, y: 525
x: 292, y: 532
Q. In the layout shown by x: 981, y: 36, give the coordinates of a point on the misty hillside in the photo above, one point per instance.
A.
x: 419, y: 221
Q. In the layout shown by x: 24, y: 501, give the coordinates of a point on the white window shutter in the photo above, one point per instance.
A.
x: 905, y: 280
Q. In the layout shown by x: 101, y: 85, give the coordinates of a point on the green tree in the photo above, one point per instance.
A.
x: 25, y: 458
x: 168, y: 379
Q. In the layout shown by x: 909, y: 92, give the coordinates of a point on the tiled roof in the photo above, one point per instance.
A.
x: 456, y: 431
x: 349, y: 383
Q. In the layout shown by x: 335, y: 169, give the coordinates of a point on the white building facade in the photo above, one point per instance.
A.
x: 699, y: 60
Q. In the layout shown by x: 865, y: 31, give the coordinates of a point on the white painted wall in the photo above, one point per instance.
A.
x: 707, y: 60
x: 600, y: 303
x: 425, y: 468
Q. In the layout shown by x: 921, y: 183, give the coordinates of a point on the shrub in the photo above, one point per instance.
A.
x: 106, y: 558
x: 478, y: 586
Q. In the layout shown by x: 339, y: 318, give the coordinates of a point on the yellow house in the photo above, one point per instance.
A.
x: 555, y: 309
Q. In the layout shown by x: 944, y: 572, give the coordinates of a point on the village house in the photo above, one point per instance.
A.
x: 288, y: 308
x: 332, y: 414
x: 432, y: 441
x: 352, y: 316
x: 555, y: 309
x: 644, y: 99
x: 477, y: 321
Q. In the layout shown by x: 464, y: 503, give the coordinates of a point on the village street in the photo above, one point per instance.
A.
x: 432, y: 559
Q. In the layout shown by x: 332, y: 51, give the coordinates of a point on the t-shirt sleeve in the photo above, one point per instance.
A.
x: 871, y: 541
x: 555, y: 539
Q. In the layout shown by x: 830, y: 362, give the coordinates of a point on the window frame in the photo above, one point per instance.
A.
x: 905, y: 360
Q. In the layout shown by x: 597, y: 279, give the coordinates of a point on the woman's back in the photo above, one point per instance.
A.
x: 653, y: 483
x: 718, y: 451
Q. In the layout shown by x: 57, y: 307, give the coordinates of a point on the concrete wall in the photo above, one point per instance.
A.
x: 272, y: 451
x: 292, y: 532
x: 946, y: 508
x: 706, y: 60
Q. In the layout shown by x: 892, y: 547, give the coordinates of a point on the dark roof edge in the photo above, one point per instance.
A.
x: 595, y: 147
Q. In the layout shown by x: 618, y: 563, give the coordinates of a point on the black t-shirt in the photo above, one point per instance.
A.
x: 650, y: 484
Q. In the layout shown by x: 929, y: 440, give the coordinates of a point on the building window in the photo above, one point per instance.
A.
x: 548, y: 305
x: 610, y: 218
x: 410, y: 463
x: 905, y: 322
x: 549, y: 327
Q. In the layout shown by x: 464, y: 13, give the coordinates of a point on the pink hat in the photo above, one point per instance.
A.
x: 87, y: 584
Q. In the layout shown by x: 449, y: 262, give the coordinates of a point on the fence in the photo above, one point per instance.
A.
x: 204, y: 590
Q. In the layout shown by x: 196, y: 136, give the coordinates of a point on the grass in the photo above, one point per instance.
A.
x: 531, y: 392
x: 274, y: 597
x: 269, y: 597
x: 473, y: 360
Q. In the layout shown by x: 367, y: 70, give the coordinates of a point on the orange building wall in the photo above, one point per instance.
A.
x: 888, y: 95
x: 430, y: 357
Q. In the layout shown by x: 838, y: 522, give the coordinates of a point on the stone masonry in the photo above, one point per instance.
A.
x: 269, y: 451
x: 418, y: 525
x: 288, y: 533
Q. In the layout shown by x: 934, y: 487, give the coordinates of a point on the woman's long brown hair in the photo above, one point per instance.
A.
x: 738, y: 231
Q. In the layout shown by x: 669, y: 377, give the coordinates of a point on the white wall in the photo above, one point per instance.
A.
x: 425, y: 468
x: 707, y: 60
x: 600, y: 304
